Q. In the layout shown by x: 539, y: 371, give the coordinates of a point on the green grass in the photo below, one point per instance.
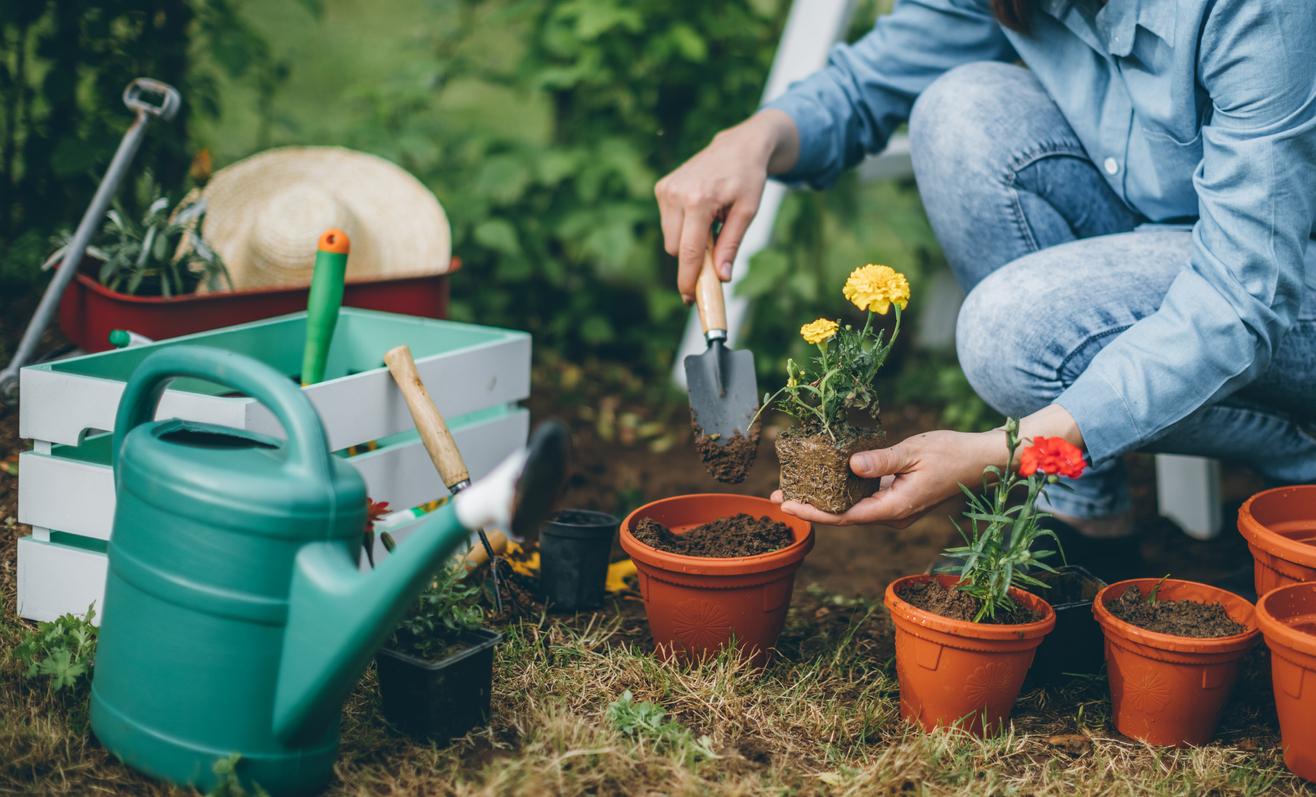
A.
x: 822, y: 719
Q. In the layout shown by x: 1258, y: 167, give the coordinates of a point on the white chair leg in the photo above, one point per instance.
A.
x: 1188, y: 492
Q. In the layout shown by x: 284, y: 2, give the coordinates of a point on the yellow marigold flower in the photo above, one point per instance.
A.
x: 820, y: 331
x: 875, y: 288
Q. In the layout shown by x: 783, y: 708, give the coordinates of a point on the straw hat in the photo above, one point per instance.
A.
x: 264, y: 215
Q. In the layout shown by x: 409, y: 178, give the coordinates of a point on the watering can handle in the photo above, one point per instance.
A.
x: 307, y: 447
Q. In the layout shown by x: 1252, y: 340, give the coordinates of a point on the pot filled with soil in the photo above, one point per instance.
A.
x: 1287, y: 617
x: 574, y: 547
x: 953, y: 670
x: 436, y: 670
x: 815, y: 468
x: 444, y: 695
x: 1172, y: 654
x: 1280, y: 528
x: 715, y: 569
x: 1074, y: 647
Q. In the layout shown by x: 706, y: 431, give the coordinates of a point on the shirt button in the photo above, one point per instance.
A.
x: 1111, y: 166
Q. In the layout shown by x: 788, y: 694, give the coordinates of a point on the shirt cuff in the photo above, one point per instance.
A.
x: 1103, y: 417
x: 815, y: 164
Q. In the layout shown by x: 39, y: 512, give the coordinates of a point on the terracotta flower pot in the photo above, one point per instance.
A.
x: 1287, y: 617
x: 695, y: 604
x: 1280, y: 528
x: 1168, y: 689
x: 954, y: 672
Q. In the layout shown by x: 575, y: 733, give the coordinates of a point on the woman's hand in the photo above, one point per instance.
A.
x: 926, y: 469
x: 917, y: 474
x: 722, y: 181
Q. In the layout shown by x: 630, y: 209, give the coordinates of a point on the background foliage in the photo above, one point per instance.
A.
x: 541, y: 126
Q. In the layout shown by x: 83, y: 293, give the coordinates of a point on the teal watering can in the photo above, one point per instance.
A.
x: 236, y: 619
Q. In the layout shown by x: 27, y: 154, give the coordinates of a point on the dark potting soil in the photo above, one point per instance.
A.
x: 815, y: 469
x: 738, y: 535
x: 727, y: 460
x: 1182, y: 618
x: 931, y: 596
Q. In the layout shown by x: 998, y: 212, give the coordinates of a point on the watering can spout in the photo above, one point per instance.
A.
x: 338, y: 615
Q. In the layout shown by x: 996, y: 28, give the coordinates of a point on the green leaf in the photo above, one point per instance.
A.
x: 498, y: 235
x: 688, y: 43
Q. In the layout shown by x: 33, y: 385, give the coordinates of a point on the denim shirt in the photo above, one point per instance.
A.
x: 1198, y: 112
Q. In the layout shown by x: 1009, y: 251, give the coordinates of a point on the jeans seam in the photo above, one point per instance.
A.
x: 1093, y: 336
x: 1022, y: 160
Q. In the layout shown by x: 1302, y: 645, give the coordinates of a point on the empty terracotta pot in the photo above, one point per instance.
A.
x: 696, y: 605
x: 954, y: 672
x: 1287, y: 617
x: 1280, y: 528
x: 1167, y: 689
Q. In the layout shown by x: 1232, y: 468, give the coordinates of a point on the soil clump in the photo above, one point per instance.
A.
x: 931, y: 596
x: 1182, y: 618
x: 727, y: 460
x: 735, y: 536
x: 815, y: 469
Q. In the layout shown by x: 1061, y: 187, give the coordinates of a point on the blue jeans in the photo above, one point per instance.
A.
x: 1056, y: 265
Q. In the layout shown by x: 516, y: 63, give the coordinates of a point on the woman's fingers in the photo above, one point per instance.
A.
x: 733, y: 233
x: 670, y: 215
x: 882, y: 462
x: 694, y: 241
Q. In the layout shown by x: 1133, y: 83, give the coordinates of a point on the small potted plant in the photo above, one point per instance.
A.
x: 1172, y: 654
x: 836, y: 382
x: 964, y: 642
x: 436, y: 670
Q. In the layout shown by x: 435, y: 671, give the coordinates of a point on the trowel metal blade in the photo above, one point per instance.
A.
x: 724, y: 393
x: 542, y: 477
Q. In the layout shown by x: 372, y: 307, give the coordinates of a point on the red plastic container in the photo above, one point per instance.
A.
x: 1280, y: 528
x: 696, y: 605
x: 1287, y: 617
x: 954, y: 672
x: 1167, y: 689
x: 89, y: 310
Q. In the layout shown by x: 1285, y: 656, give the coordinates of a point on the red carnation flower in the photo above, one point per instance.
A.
x: 1053, y: 456
x: 374, y: 511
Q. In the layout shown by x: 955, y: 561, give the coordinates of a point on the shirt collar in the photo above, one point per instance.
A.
x: 1117, y: 20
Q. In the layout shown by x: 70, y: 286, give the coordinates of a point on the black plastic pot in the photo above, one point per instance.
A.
x: 1075, y: 646
x: 574, y: 547
x: 439, y: 700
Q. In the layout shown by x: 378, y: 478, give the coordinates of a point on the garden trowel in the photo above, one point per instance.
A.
x: 723, y: 387
x: 436, y: 436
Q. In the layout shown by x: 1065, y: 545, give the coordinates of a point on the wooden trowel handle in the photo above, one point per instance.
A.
x: 708, y: 295
x: 429, y: 421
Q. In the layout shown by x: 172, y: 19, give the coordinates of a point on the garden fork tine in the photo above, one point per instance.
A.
x: 134, y: 98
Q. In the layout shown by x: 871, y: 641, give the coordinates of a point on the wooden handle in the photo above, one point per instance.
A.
x: 708, y: 295
x: 478, y: 556
x: 429, y: 422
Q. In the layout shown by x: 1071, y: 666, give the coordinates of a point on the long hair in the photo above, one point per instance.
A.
x: 1013, y: 14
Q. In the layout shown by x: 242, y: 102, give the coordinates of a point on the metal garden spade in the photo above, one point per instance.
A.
x: 723, y: 387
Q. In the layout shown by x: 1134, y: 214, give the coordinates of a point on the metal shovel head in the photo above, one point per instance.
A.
x: 724, y: 392
x: 542, y: 477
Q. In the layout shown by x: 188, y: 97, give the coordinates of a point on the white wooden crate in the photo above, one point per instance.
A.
x: 66, y: 487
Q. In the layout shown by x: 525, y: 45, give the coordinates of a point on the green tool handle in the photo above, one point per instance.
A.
x: 324, y: 302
